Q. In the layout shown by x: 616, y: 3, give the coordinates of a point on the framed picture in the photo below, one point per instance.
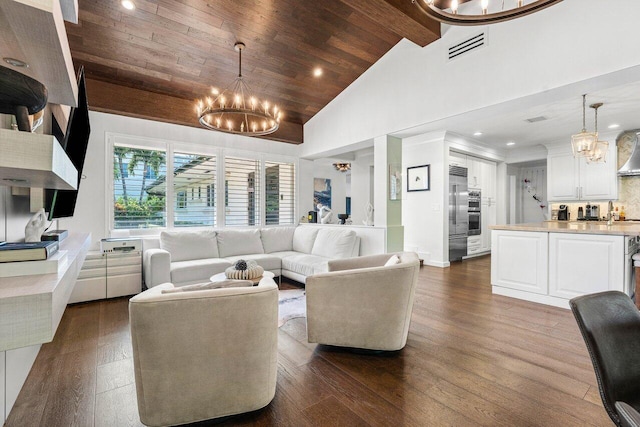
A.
x: 418, y: 178
x: 321, y: 193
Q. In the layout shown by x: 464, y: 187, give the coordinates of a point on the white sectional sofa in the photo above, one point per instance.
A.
x: 187, y: 257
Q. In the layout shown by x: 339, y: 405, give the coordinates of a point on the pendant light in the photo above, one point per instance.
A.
x: 600, y: 149
x: 584, y: 142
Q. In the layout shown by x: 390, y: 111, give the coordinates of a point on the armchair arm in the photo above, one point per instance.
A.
x: 157, y: 267
x: 358, y: 262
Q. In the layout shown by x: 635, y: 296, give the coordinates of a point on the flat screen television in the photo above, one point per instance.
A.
x: 62, y: 203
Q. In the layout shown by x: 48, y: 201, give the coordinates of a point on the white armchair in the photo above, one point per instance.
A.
x: 204, y: 354
x: 361, y: 303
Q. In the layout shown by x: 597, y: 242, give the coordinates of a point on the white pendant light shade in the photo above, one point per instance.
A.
x: 583, y: 143
x: 599, y: 154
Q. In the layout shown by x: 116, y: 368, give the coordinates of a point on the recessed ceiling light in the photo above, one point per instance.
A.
x: 510, y: 143
x: 317, y: 72
x: 128, y: 4
x: 614, y: 126
x: 477, y: 134
x: 15, y: 62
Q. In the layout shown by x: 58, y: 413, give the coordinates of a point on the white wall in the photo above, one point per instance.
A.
x: 91, y: 209
x: 525, y: 57
x: 423, y: 216
x: 528, y: 209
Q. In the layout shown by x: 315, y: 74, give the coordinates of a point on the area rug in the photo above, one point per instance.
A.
x: 292, y: 304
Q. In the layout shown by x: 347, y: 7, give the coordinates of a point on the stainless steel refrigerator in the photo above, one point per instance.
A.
x: 458, y: 213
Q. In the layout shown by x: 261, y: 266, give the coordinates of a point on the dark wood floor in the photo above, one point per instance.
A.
x: 472, y: 359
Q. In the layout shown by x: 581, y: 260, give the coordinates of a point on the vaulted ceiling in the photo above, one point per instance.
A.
x: 155, y: 61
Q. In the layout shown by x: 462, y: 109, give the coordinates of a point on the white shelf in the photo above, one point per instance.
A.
x: 34, y: 160
x: 31, y: 306
x: 33, y: 31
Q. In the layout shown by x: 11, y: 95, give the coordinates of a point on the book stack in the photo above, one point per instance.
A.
x: 35, y: 251
x: 24, y: 259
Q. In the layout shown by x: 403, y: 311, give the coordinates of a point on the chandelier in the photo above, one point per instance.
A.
x: 454, y: 18
x: 235, y: 109
x: 584, y: 142
x: 342, y: 167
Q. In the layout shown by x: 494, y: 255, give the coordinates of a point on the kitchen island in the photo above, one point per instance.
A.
x: 551, y: 262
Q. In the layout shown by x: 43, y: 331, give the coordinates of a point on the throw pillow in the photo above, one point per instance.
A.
x: 392, y: 261
x: 210, y: 285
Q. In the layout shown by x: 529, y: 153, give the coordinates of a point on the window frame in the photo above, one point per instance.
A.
x: 221, y: 153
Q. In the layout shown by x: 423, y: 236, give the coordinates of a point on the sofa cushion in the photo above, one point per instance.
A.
x: 334, y: 243
x: 266, y: 261
x: 238, y: 242
x: 276, y: 239
x: 195, y: 271
x: 305, y: 264
x: 189, y: 245
x: 209, y: 285
x: 303, y: 238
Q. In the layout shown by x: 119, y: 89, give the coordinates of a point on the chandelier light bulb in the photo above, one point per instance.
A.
x: 454, y: 6
x: 485, y: 6
x: 215, y: 91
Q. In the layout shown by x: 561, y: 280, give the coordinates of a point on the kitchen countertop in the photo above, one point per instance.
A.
x: 619, y: 228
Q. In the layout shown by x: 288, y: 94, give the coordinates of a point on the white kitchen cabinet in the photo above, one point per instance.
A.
x: 457, y: 159
x: 571, y: 179
x: 488, y: 209
x: 474, y: 173
x: 488, y: 218
x: 108, y: 275
x: 474, y: 245
x: 519, y: 261
x: 599, y: 256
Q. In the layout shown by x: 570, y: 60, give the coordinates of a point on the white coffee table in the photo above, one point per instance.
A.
x: 221, y: 277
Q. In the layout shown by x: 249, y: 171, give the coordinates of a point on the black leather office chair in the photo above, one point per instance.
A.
x: 610, y: 325
x: 629, y: 417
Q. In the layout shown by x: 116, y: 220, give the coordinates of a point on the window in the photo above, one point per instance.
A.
x: 190, y: 172
x: 280, y: 193
x: 181, y: 200
x: 138, y: 201
x: 242, y: 192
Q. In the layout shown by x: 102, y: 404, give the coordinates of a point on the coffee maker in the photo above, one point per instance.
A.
x: 563, y: 213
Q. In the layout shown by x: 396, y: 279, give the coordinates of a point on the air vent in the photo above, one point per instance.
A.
x: 536, y: 119
x: 467, y: 46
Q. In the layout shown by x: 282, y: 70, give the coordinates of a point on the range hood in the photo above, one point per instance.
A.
x: 632, y: 167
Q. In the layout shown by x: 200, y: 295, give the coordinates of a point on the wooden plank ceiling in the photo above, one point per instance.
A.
x: 155, y: 61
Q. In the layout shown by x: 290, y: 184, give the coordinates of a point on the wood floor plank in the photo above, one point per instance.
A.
x: 472, y: 358
x: 331, y: 412
x: 117, y: 407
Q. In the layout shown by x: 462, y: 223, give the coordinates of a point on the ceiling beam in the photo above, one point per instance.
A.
x: 401, y: 17
x: 126, y: 101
